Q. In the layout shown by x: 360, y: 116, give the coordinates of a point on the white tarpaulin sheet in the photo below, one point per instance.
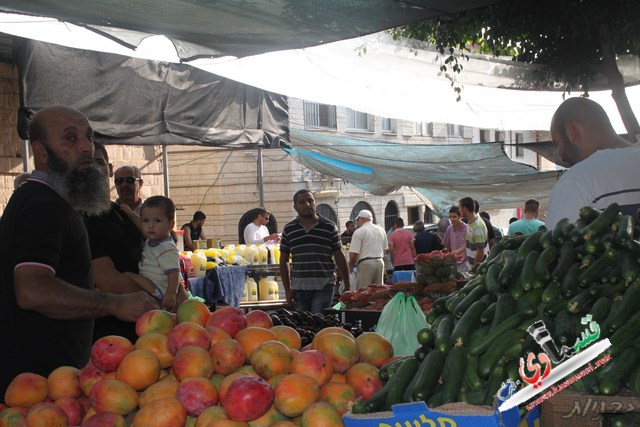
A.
x: 442, y: 173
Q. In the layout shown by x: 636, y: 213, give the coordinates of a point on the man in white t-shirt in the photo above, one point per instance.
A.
x: 256, y: 232
x: 604, y: 167
x: 368, y: 244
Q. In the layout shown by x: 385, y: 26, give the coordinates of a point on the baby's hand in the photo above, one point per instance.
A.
x: 169, y: 302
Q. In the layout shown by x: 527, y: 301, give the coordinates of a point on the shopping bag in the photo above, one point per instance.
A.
x: 399, y: 323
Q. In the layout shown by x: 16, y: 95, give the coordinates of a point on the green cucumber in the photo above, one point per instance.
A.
x: 453, y: 302
x: 600, y: 309
x: 487, y: 315
x: 564, y: 325
x: 602, y: 222
x: 624, y: 234
x: 616, y: 303
x: 496, y: 378
x: 634, y: 381
x: 565, y: 261
x: 467, y: 323
x: 618, y: 370
x: 580, y: 301
x: 443, y: 334
x: 628, y: 306
x: 505, y: 307
x: 593, y: 272
x: 588, y: 214
x: 471, y: 378
x: 478, y: 335
x: 527, y: 273
x: 513, y: 242
x: 625, y: 335
x: 546, y: 240
x: 531, y: 298
x: 492, y: 279
x: 453, y: 373
x: 532, y: 243
x: 511, y: 267
x: 562, y: 230
x: 508, y: 324
x: 400, y: 381
x: 551, y: 293
x: 493, y: 253
x: 473, y: 296
x: 428, y: 375
x: 544, y: 263
x: 630, y: 268
x: 554, y: 307
x: 389, y: 369
x: 490, y: 358
x: 570, y: 285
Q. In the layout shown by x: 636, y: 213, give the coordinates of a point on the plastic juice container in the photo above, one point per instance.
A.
x: 263, y: 255
x: 186, y: 257
x: 276, y: 253
x: 245, y: 291
x: 272, y: 287
x: 199, y: 262
x: 251, y: 254
x: 263, y: 290
x: 252, y: 289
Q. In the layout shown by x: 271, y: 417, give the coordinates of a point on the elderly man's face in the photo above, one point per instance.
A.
x: 127, y: 184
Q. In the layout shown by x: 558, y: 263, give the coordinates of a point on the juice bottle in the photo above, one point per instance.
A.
x: 272, y: 287
x: 263, y: 255
x: 252, y: 289
x: 199, y: 262
x: 245, y: 291
x: 263, y: 290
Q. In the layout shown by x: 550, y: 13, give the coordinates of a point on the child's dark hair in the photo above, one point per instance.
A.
x: 160, y: 202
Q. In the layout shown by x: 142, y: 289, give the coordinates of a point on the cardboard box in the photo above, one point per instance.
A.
x: 450, y: 415
x: 569, y: 408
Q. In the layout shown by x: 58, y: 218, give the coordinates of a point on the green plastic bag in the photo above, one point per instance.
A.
x: 400, y: 321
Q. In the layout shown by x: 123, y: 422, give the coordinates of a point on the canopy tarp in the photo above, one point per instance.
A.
x: 442, y: 173
x: 218, y: 28
x: 142, y: 102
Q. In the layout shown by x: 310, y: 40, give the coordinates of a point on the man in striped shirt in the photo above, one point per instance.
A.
x: 314, y: 243
x: 477, y: 237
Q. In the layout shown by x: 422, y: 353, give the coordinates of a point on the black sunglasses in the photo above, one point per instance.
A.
x: 127, y: 179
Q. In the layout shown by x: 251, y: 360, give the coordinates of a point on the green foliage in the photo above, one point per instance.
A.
x: 568, y: 38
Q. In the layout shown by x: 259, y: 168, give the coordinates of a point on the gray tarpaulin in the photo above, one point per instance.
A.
x: 442, y: 173
x: 136, y: 101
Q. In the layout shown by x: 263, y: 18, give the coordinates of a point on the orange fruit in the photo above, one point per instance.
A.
x: 363, y: 377
x: 228, y: 355
x: 46, y: 414
x: 252, y: 337
x: 157, y: 391
x: 139, y: 369
x: 113, y: 396
x: 295, y: 393
x: 340, y: 395
x: 341, y: 349
x: 321, y: 414
x: 193, y: 310
x: 270, y: 359
x: 26, y: 390
x: 330, y: 330
x: 64, y: 381
x: 374, y: 348
x: 167, y: 412
x: 158, y: 344
x: 287, y: 335
x: 192, y: 361
x: 216, y: 334
x: 314, y: 364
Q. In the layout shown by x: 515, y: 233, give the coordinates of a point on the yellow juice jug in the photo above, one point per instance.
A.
x: 251, y: 254
x: 272, y: 287
x: 263, y: 290
x: 263, y: 255
x: 276, y: 253
x: 252, y: 289
x: 245, y: 291
x: 199, y: 263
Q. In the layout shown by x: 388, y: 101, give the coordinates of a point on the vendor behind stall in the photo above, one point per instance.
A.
x: 193, y: 230
x: 256, y: 232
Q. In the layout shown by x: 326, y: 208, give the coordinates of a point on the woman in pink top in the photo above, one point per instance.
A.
x: 401, y: 247
x: 455, y: 238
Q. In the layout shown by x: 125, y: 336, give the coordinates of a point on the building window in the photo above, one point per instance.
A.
x: 519, y: 147
x: 319, y: 115
x: 389, y: 125
x: 485, y: 135
x: 390, y: 214
x: 499, y: 136
x: 424, y: 128
x: 327, y: 212
x: 357, y: 120
x: 428, y: 215
x: 455, y: 130
x: 360, y: 206
x: 413, y: 214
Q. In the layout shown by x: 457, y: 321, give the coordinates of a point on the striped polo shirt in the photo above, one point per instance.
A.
x: 312, y: 253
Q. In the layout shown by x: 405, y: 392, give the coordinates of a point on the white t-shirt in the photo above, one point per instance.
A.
x: 605, y: 177
x: 255, y: 233
x: 369, y: 241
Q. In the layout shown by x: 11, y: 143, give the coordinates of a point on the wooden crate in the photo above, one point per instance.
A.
x: 569, y: 408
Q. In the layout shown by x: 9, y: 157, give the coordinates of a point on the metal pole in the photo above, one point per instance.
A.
x: 165, y: 170
x: 25, y: 155
x: 260, y: 179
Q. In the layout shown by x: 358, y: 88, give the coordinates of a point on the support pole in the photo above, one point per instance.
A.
x: 165, y: 170
x: 260, y: 177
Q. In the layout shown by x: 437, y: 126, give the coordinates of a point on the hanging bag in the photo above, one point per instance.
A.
x: 399, y: 323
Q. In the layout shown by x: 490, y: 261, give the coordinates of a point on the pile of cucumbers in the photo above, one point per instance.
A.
x: 478, y: 334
